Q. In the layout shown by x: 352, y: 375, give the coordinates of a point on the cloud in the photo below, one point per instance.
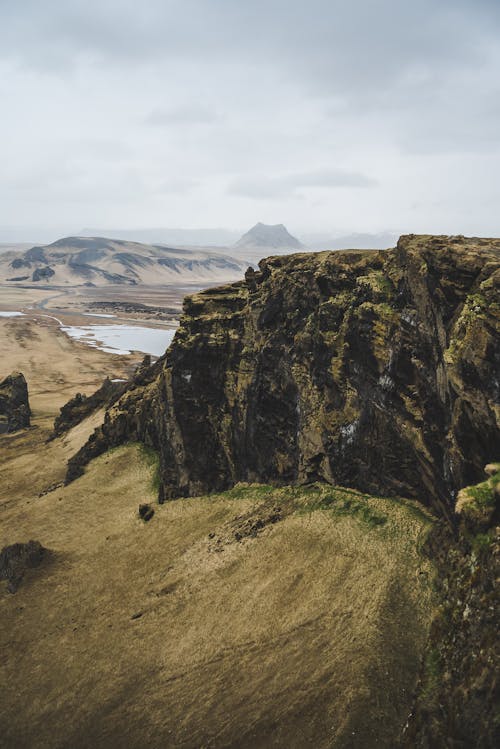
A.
x: 191, y: 114
x: 291, y: 184
x: 244, y: 101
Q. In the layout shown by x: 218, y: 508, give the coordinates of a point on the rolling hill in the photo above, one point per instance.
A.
x: 99, y: 261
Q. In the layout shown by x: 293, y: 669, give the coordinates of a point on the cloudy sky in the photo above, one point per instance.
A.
x: 326, y: 115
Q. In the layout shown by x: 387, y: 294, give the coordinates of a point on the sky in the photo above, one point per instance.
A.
x: 326, y: 115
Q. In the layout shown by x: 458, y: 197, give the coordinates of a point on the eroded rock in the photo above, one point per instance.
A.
x: 14, y: 404
x: 377, y: 370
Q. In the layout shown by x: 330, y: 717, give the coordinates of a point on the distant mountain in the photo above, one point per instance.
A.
x: 269, y: 237
x: 99, y: 261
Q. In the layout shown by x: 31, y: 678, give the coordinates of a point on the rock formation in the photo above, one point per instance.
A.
x: 16, y: 559
x: 377, y: 370
x: 457, y: 697
x: 81, y: 406
x: 14, y: 405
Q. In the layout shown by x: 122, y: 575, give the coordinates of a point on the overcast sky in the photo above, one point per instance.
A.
x: 325, y: 115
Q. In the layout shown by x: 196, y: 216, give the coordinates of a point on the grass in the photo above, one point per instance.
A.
x: 484, y: 493
x: 432, y: 674
x: 341, y: 502
x: 152, y: 460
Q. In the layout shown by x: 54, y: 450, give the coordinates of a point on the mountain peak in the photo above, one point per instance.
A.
x: 272, y: 236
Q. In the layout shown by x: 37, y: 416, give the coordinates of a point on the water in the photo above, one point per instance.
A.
x: 122, y: 339
x: 11, y: 314
x: 98, y: 314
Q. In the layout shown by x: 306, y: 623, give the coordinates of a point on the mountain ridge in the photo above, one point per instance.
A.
x: 98, y: 261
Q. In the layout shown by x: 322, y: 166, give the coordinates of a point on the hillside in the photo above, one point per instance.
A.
x: 252, y: 618
x: 98, y: 261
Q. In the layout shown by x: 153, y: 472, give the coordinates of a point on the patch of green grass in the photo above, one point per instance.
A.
x: 481, y: 542
x: 152, y: 459
x: 431, y: 674
x: 484, y: 493
x: 345, y: 502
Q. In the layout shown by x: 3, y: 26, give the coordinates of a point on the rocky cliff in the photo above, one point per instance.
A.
x: 377, y: 370
x: 457, y: 697
x: 14, y: 405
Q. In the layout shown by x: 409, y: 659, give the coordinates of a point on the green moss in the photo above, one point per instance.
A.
x: 152, y: 459
x: 343, y: 502
x: 431, y: 674
x: 481, y: 543
x: 484, y: 494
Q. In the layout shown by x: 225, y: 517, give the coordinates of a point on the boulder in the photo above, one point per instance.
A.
x: 14, y: 405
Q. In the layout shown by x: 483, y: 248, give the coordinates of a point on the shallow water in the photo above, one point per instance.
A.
x: 122, y: 339
x: 11, y: 314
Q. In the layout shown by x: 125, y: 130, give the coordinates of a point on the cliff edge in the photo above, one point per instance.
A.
x: 377, y: 370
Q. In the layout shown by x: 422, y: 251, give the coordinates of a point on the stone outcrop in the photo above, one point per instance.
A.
x: 14, y: 405
x: 377, y: 370
x: 81, y: 406
x: 16, y: 559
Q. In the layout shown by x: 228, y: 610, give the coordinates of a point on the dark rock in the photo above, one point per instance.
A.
x: 81, y: 406
x: 14, y: 404
x: 457, y: 697
x: 16, y: 559
x: 146, y: 512
x: 41, y: 274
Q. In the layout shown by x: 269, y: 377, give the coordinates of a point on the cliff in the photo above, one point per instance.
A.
x: 457, y: 696
x: 377, y: 370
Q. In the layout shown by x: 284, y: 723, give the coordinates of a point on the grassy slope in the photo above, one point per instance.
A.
x: 308, y: 633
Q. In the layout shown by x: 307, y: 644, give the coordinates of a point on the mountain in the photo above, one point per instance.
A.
x: 268, y: 237
x: 99, y: 261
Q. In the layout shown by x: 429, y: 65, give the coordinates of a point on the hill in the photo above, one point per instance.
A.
x: 99, y: 261
x: 268, y: 237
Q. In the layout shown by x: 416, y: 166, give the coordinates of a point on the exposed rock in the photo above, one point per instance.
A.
x: 16, y: 559
x: 81, y: 406
x: 375, y: 370
x: 146, y: 512
x: 42, y: 274
x: 14, y: 404
x: 457, y: 698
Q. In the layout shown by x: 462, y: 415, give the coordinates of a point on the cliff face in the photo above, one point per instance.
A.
x: 457, y: 696
x: 14, y: 405
x: 377, y: 370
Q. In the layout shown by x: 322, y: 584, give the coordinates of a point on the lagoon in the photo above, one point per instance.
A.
x: 122, y: 339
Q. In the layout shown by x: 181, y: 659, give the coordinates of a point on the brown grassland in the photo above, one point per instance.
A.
x: 255, y: 618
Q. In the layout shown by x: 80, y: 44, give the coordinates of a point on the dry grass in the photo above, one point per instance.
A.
x: 308, y: 634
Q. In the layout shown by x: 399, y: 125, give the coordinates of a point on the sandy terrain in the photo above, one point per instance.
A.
x: 55, y: 366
